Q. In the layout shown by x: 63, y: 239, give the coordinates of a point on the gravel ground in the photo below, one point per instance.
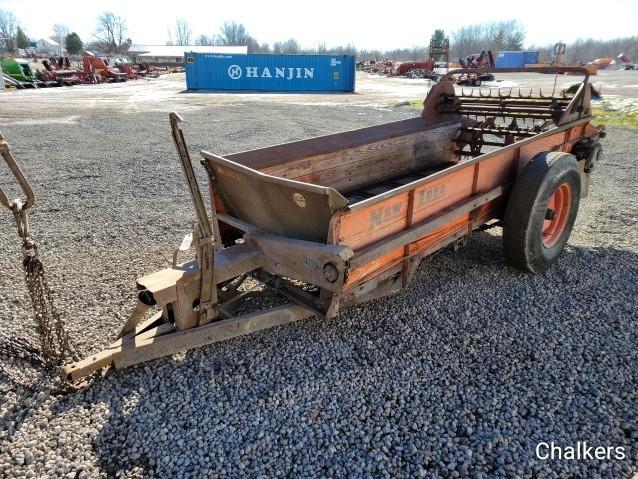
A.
x: 461, y: 375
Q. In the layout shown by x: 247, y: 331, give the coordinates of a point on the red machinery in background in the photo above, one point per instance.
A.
x: 101, y: 67
x: 477, y: 61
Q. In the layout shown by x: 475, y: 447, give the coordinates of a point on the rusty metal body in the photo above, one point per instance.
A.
x: 338, y: 220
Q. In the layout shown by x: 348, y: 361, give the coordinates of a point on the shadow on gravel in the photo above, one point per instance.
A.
x: 26, y: 396
x: 464, y: 373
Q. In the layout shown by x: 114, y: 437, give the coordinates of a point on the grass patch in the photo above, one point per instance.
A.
x: 410, y: 104
x: 615, y: 118
x: 605, y: 115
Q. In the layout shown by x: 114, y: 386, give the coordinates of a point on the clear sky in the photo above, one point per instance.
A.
x: 382, y: 25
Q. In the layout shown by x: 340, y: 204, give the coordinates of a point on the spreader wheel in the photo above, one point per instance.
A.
x: 541, y: 211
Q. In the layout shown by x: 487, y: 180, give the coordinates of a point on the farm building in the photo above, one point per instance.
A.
x: 173, y: 55
x: 48, y: 46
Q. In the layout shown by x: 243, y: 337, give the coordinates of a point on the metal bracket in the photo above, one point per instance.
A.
x: 19, y: 176
x: 205, y: 244
x: 460, y: 243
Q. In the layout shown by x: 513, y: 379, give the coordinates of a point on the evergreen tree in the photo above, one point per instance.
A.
x: 22, y: 41
x: 73, y: 43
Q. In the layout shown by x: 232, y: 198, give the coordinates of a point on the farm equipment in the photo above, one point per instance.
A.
x: 128, y: 69
x: 145, y: 69
x: 21, y: 73
x: 473, y: 63
x: 625, y: 62
x: 23, y: 76
x: 59, y: 70
x: 435, y: 66
x: 338, y: 220
x: 439, y: 52
x: 10, y: 81
x: 557, y: 60
x: 18, y: 70
x: 102, y: 69
x: 404, y: 68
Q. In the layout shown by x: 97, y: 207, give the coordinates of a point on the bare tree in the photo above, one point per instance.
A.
x: 252, y: 44
x: 170, y: 37
x: 205, y: 40
x: 8, y: 30
x: 110, y: 33
x: 349, y: 49
x: 182, y: 32
x: 264, y: 48
x: 231, y: 33
x: 495, y: 36
x: 587, y: 50
x: 60, y: 31
x: 290, y: 46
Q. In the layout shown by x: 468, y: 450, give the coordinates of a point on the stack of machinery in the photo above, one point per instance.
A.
x: 476, y: 61
x: 433, y: 68
x: 58, y: 72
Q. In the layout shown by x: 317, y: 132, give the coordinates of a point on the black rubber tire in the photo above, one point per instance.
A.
x: 526, y: 208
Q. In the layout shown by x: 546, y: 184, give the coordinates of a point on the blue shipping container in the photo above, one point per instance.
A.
x: 530, y: 58
x: 213, y: 71
x: 510, y: 60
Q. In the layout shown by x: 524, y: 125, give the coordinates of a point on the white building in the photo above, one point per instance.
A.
x: 172, y: 55
x: 50, y: 47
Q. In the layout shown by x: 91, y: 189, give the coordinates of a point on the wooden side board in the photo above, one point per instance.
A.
x: 282, y: 154
x: 349, y: 169
x: 352, y: 160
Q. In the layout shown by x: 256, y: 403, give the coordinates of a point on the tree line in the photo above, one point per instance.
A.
x: 586, y: 50
x: 111, y: 36
x: 464, y: 41
x: 508, y: 35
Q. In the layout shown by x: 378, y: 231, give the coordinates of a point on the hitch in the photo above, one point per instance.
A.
x: 20, y: 178
x: 188, y: 294
x: 55, y: 343
x: 205, y: 242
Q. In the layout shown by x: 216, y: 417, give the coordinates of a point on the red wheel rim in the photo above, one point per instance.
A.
x: 558, y: 208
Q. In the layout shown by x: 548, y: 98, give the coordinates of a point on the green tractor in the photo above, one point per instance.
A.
x: 21, y: 71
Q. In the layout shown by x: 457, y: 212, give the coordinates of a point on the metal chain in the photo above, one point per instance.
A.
x: 55, y: 343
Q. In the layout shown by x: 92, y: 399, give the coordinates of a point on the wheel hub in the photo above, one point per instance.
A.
x: 558, y: 208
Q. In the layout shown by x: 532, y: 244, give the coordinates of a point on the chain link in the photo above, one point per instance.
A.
x: 55, y: 343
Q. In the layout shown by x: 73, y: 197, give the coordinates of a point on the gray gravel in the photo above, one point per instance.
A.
x: 461, y: 375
